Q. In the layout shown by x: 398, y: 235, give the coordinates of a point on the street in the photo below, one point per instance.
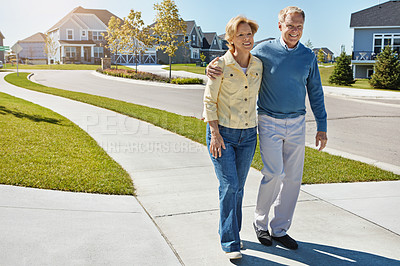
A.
x: 364, y: 127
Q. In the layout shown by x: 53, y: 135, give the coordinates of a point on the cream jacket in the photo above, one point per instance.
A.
x: 231, y: 98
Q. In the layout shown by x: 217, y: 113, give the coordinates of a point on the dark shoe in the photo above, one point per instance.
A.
x: 263, y: 236
x: 287, y: 241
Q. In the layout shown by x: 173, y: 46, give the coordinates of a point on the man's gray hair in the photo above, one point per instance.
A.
x: 290, y: 10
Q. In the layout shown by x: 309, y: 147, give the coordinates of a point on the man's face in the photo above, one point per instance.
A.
x: 292, y: 29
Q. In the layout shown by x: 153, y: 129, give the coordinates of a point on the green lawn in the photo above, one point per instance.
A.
x: 42, y: 149
x: 59, y: 67
x: 187, y: 67
x: 320, y: 167
x: 325, y: 71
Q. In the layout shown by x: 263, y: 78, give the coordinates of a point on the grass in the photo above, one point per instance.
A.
x: 325, y: 70
x: 42, y: 149
x: 187, y: 67
x: 59, y: 67
x: 319, y: 167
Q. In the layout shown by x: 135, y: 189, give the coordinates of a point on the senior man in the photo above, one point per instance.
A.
x: 290, y: 72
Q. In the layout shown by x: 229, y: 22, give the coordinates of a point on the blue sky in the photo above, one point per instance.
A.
x: 327, y: 22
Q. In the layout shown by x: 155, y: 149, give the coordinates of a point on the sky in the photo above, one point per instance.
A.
x: 327, y: 22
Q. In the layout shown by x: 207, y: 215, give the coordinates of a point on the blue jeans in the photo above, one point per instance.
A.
x: 231, y: 170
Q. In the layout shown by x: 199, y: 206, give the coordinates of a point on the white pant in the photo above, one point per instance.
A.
x: 282, y: 147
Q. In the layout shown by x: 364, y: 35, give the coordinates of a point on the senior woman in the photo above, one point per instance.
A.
x: 230, y: 110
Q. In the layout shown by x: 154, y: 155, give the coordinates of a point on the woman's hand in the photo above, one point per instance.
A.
x: 216, y: 145
x: 217, y: 142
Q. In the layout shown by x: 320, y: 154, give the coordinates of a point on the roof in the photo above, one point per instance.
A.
x: 385, y: 14
x: 189, y: 26
x: 103, y: 14
x: 210, y: 36
x: 324, y: 49
x: 2, y: 36
x: 37, y: 37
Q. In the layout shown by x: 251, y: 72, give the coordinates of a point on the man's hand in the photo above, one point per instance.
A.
x: 212, y: 70
x: 322, y: 139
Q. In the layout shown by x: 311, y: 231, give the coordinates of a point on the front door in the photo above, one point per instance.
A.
x: 86, y: 52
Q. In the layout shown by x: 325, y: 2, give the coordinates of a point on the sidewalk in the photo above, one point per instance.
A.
x: 335, y: 224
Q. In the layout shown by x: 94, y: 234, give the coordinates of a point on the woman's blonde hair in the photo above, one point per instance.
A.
x: 231, y: 29
x: 290, y: 10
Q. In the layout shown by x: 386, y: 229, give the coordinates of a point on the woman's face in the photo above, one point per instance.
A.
x: 243, y: 39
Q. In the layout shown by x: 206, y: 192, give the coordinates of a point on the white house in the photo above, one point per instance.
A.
x: 79, y: 37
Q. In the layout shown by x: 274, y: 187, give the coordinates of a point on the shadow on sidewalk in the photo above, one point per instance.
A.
x: 313, y: 254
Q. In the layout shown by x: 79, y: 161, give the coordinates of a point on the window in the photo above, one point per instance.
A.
x: 98, y: 52
x: 215, y: 42
x: 70, y: 34
x: 382, y: 40
x: 70, y: 51
x: 186, y: 38
x: 83, y: 34
x: 97, y: 36
x: 193, y: 38
x: 195, y: 54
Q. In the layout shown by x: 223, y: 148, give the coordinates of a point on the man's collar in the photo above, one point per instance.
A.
x: 285, y: 45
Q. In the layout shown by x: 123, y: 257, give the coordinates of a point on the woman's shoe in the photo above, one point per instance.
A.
x: 234, y: 255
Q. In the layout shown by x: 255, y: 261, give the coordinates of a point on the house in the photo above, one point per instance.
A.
x: 1, y: 44
x: 79, y: 36
x: 33, y: 49
x: 196, y: 42
x: 374, y: 28
x: 328, y: 54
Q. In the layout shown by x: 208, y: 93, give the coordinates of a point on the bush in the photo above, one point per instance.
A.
x: 125, y: 73
x: 387, y: 70
x: 187, y: 81
x: 342, y: 73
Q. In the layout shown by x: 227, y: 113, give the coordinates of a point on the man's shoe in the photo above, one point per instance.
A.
x: 287, y: 241
x: 234, y: 255
x: 263, y: 236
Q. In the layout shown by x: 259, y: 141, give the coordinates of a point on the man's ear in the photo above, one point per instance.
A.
x: 279, y: 25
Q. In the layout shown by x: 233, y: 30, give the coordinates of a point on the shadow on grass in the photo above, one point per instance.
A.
x: 35, y: 118
x: 312, y: 254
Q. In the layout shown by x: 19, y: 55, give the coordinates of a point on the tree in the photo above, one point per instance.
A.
x: 202, y: 57
x: 342, y: 73
x: 321, y: 56
x: 50, y: 47
x: 168, y: 25
x: 387, y: 70
x: 308, y: 44
x: 114, y: 36
x: 134, y: 35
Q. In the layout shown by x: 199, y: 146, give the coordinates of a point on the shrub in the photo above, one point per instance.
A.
x: 387, y: 70
x: 125, y: 73
x: 342, y: 74
x: 187, y: 81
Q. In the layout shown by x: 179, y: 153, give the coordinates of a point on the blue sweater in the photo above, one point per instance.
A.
x: 287, y: 77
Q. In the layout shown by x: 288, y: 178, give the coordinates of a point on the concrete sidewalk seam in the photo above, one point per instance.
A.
x: 161, y: 232
x: 67, y: 210
x: 348, y: 211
